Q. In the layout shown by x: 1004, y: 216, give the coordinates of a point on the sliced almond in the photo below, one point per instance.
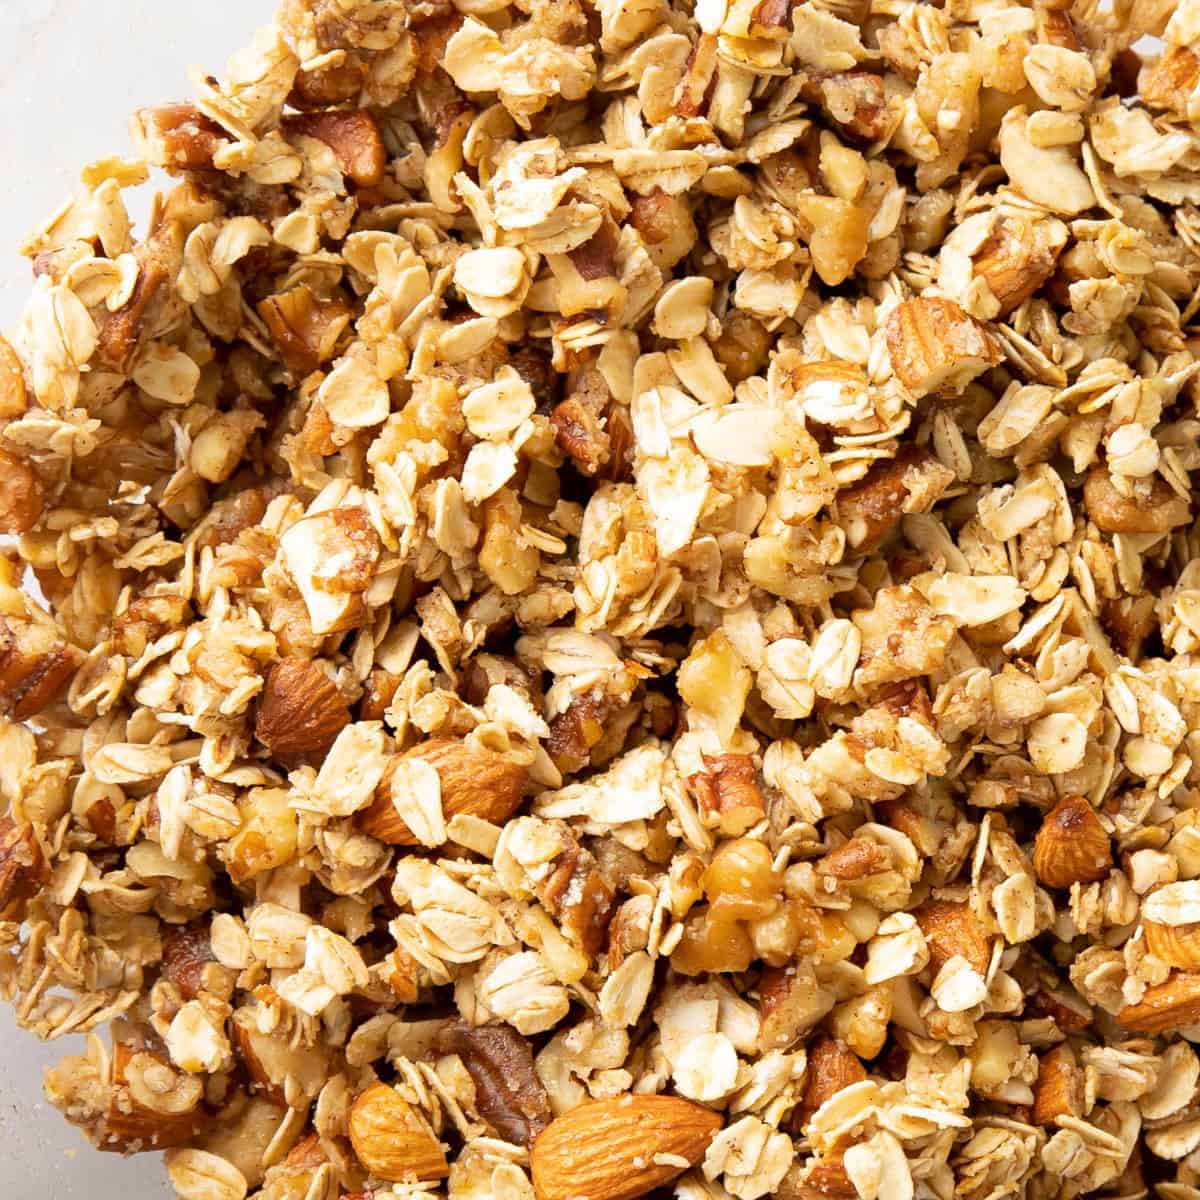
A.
x: 301, y: 710
x: 950, y: 929
x: 1167, y: 1006
x: 392, y: 1139
x: 620, y: 1149
x: 1059, y: 1088
x: 1071, y: 846
x: 936, y: 347
x: 477, y: 782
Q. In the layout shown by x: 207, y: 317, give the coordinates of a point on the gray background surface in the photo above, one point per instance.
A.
x: 71, y: 71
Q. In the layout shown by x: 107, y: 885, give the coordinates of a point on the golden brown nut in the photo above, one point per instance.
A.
x: 1018, y: 258
x: 1166, y: 1006
x: 392, y: 1139
x: 950, y: 929
x: 1178, y: 945
x: 353, y: 136
x: 475, y: 781
x: 305, y: 328
x: 301, y: 711
x: 1059, y: 1088
x: 612, y: 1149
x: 1071, y: 846
x: 937, y: 348
x: 1149, y: 510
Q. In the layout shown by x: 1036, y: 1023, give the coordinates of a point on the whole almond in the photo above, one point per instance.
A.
x: 301, y: 711
x: 607, y: 1150
x: 1170, y: 1005
x: 1071, y: 846
x: 476, y: 782
x: 392, y: 1139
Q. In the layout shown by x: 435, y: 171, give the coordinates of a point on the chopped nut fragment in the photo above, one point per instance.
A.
x: 937, y: 348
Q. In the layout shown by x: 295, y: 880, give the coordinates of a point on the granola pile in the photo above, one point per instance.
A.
x: 608, y: 603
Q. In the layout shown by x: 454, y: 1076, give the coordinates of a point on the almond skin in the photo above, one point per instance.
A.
x: 1178, y: 945
x: 935, y: 346
x: 1169, y: 1005
x: 951, y: 928
x: 605, y: 1150
x: 1071, y: 846
x: 301, y: 711
x: 1059, y: 1088
x: 476, y: 782
x: 392, y: 1139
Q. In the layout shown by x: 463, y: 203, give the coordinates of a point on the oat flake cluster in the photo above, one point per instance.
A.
x: 622, y: 608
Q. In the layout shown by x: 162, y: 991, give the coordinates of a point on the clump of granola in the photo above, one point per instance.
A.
x: 609, y: 600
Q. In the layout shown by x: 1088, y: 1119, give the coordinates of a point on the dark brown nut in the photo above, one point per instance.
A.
x: 353, y: 136
x: 324, y: 87
x: 35, y: 665
x: 22, y: 494
x: 177, y: 137
x: 305, y: 328
x: 577, y: 894
x: 728, y: 794
x: 870, y: 509
x: 937, y: 348
x: 508, y: 1093
x: 1149, y: 510
x: 301, y: 711
x: 23, y: 867
x: 950, y: 929
x: 187, y: 951
x: 121, y: 331
x: 1066, y: 1009
x: 1071, y: 846
x: 475, y: 781
x: 580, y: 436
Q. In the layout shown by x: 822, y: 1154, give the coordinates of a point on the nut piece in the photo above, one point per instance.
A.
x: 13, y: 399
x: 23, y: 867
x: 508, y: 1092
x: 475, y: 782
x: 35, y: 664
x: 576, y: 893
x: 1170, y: 82
x: 831, y: 1067
x: 305, y: 328
x: 301, y: 711
x: 392, y: 1139
x: 611, y: 1149
x: 1178, y: 945
x: 1071, y: 846
x: 187, y: 950
x: 1152, y: 511
x: 936, y: 347
x: 1059, y: 1088
x: 22, y: 494
x: 176, y: 136
x: 870, y: 509
x: 353, y: 136
x: 1019, y: 257
x: 951, y: 928
x: 1171, y: 1005
x: 728, y: 794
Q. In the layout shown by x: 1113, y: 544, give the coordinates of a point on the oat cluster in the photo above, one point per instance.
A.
x: 618, y: 608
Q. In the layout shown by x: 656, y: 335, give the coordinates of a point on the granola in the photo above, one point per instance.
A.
x: 608, y: 600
